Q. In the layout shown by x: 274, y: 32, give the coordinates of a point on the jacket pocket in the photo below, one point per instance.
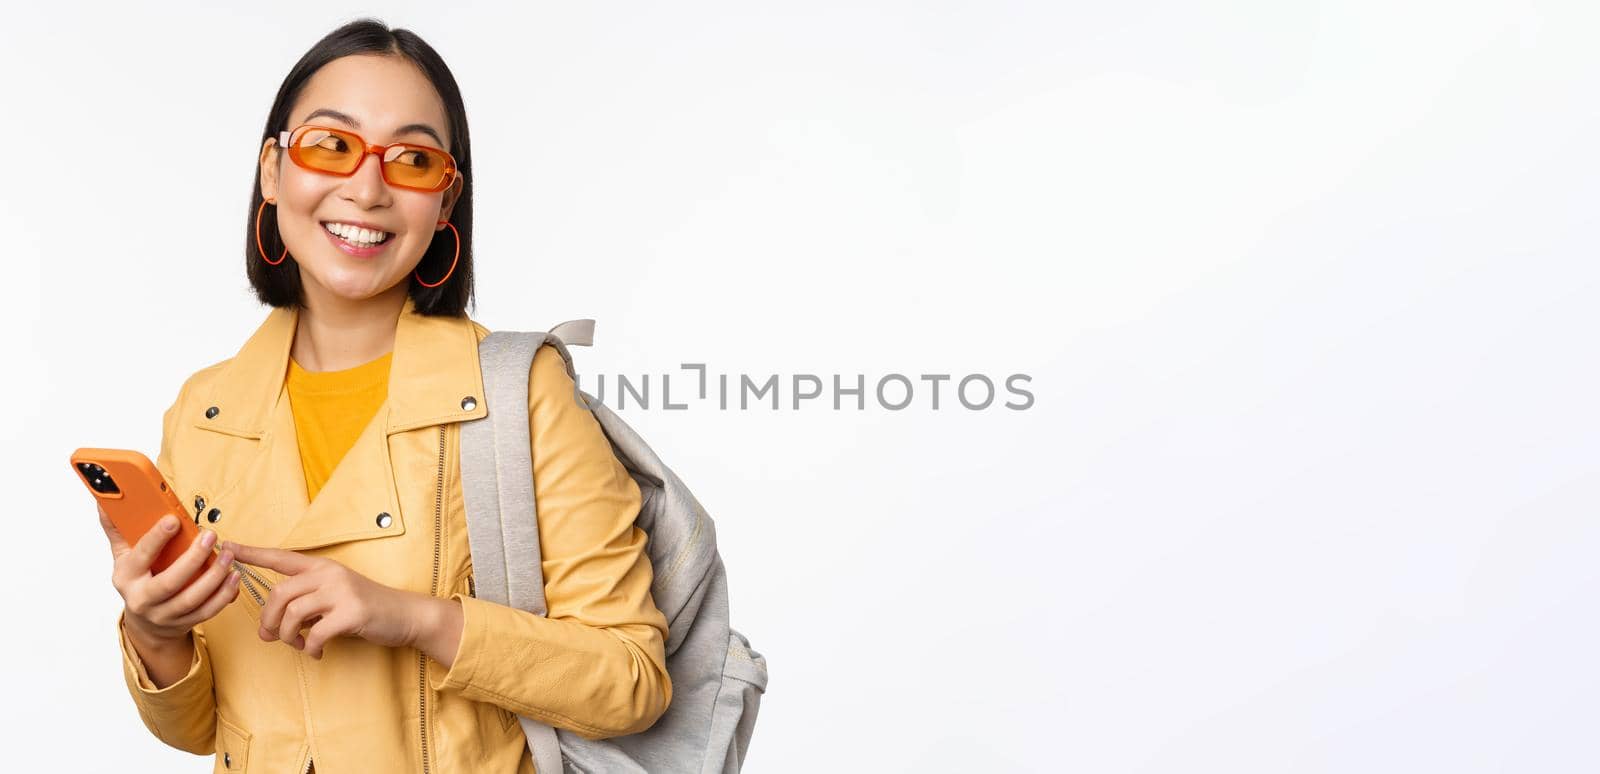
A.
x: 233, y: 746
x: 464, y: 584
x: 733, y: 718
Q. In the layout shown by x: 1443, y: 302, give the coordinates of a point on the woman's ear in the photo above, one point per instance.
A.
x: 451, y: 195
x: 269, y: 168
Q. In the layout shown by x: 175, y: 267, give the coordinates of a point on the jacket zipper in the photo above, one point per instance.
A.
x: 244, y: 580
x: 422, y: 658
x: 246, y: 576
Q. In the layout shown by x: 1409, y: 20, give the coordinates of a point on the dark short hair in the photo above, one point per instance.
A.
x: 280, y: 285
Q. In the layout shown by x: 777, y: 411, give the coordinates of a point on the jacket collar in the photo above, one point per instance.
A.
x: 433, y: 370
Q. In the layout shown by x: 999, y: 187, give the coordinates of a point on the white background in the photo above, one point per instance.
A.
x: 1306, y: 291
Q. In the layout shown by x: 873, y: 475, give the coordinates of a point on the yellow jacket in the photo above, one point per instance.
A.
x: 393, y: 511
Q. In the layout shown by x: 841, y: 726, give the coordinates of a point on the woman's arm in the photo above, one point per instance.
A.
x: 181, y: 712
x: 170, y: 682
x: 163, y: 662
x: 597, y: 663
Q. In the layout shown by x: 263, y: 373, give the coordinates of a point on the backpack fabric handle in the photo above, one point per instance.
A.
x: 575, y: 332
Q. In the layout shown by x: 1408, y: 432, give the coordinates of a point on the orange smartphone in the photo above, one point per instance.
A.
x: 135, y: 496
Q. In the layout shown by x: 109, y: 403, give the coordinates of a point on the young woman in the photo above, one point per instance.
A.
x: 323, y: 458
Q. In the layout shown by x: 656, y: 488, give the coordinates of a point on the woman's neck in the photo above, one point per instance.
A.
x: 337, y: 333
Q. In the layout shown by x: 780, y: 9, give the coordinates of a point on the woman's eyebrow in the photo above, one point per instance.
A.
x: 354, y: 124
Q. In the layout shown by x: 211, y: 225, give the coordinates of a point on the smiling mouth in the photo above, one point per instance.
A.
x: 356, y: 236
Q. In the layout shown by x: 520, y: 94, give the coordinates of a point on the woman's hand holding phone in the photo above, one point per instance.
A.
x: 160, y: 610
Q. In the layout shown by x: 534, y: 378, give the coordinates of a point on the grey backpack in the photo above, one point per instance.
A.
x: 717, y: 679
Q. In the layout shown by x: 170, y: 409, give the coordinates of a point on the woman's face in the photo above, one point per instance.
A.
x: 384, y: 99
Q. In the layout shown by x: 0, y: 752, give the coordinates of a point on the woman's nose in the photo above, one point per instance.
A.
x: 366, y: 187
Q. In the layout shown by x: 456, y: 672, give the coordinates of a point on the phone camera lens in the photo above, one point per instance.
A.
x: 99, y: 480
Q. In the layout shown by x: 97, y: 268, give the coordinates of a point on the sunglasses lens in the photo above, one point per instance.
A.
x: 327, y: 150
x: 416, y: 167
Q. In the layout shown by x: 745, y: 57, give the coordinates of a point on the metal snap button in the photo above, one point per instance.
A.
x: 469, y: 403
x: 212, y: 412
x: 384, y: 520
x: 213, y: 515
x: 227, y: 760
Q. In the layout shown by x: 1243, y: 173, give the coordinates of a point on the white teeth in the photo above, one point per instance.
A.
x: 361, y: 237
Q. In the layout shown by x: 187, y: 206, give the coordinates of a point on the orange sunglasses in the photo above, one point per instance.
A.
x: 340, y: 152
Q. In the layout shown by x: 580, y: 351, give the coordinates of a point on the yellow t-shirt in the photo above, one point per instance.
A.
x: 331, y: 408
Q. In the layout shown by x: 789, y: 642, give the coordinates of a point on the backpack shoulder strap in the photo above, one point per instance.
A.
x: 497, y: 477
x: 497, y: 488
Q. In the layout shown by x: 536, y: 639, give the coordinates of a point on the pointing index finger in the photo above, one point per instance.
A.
x: 286, y: 562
